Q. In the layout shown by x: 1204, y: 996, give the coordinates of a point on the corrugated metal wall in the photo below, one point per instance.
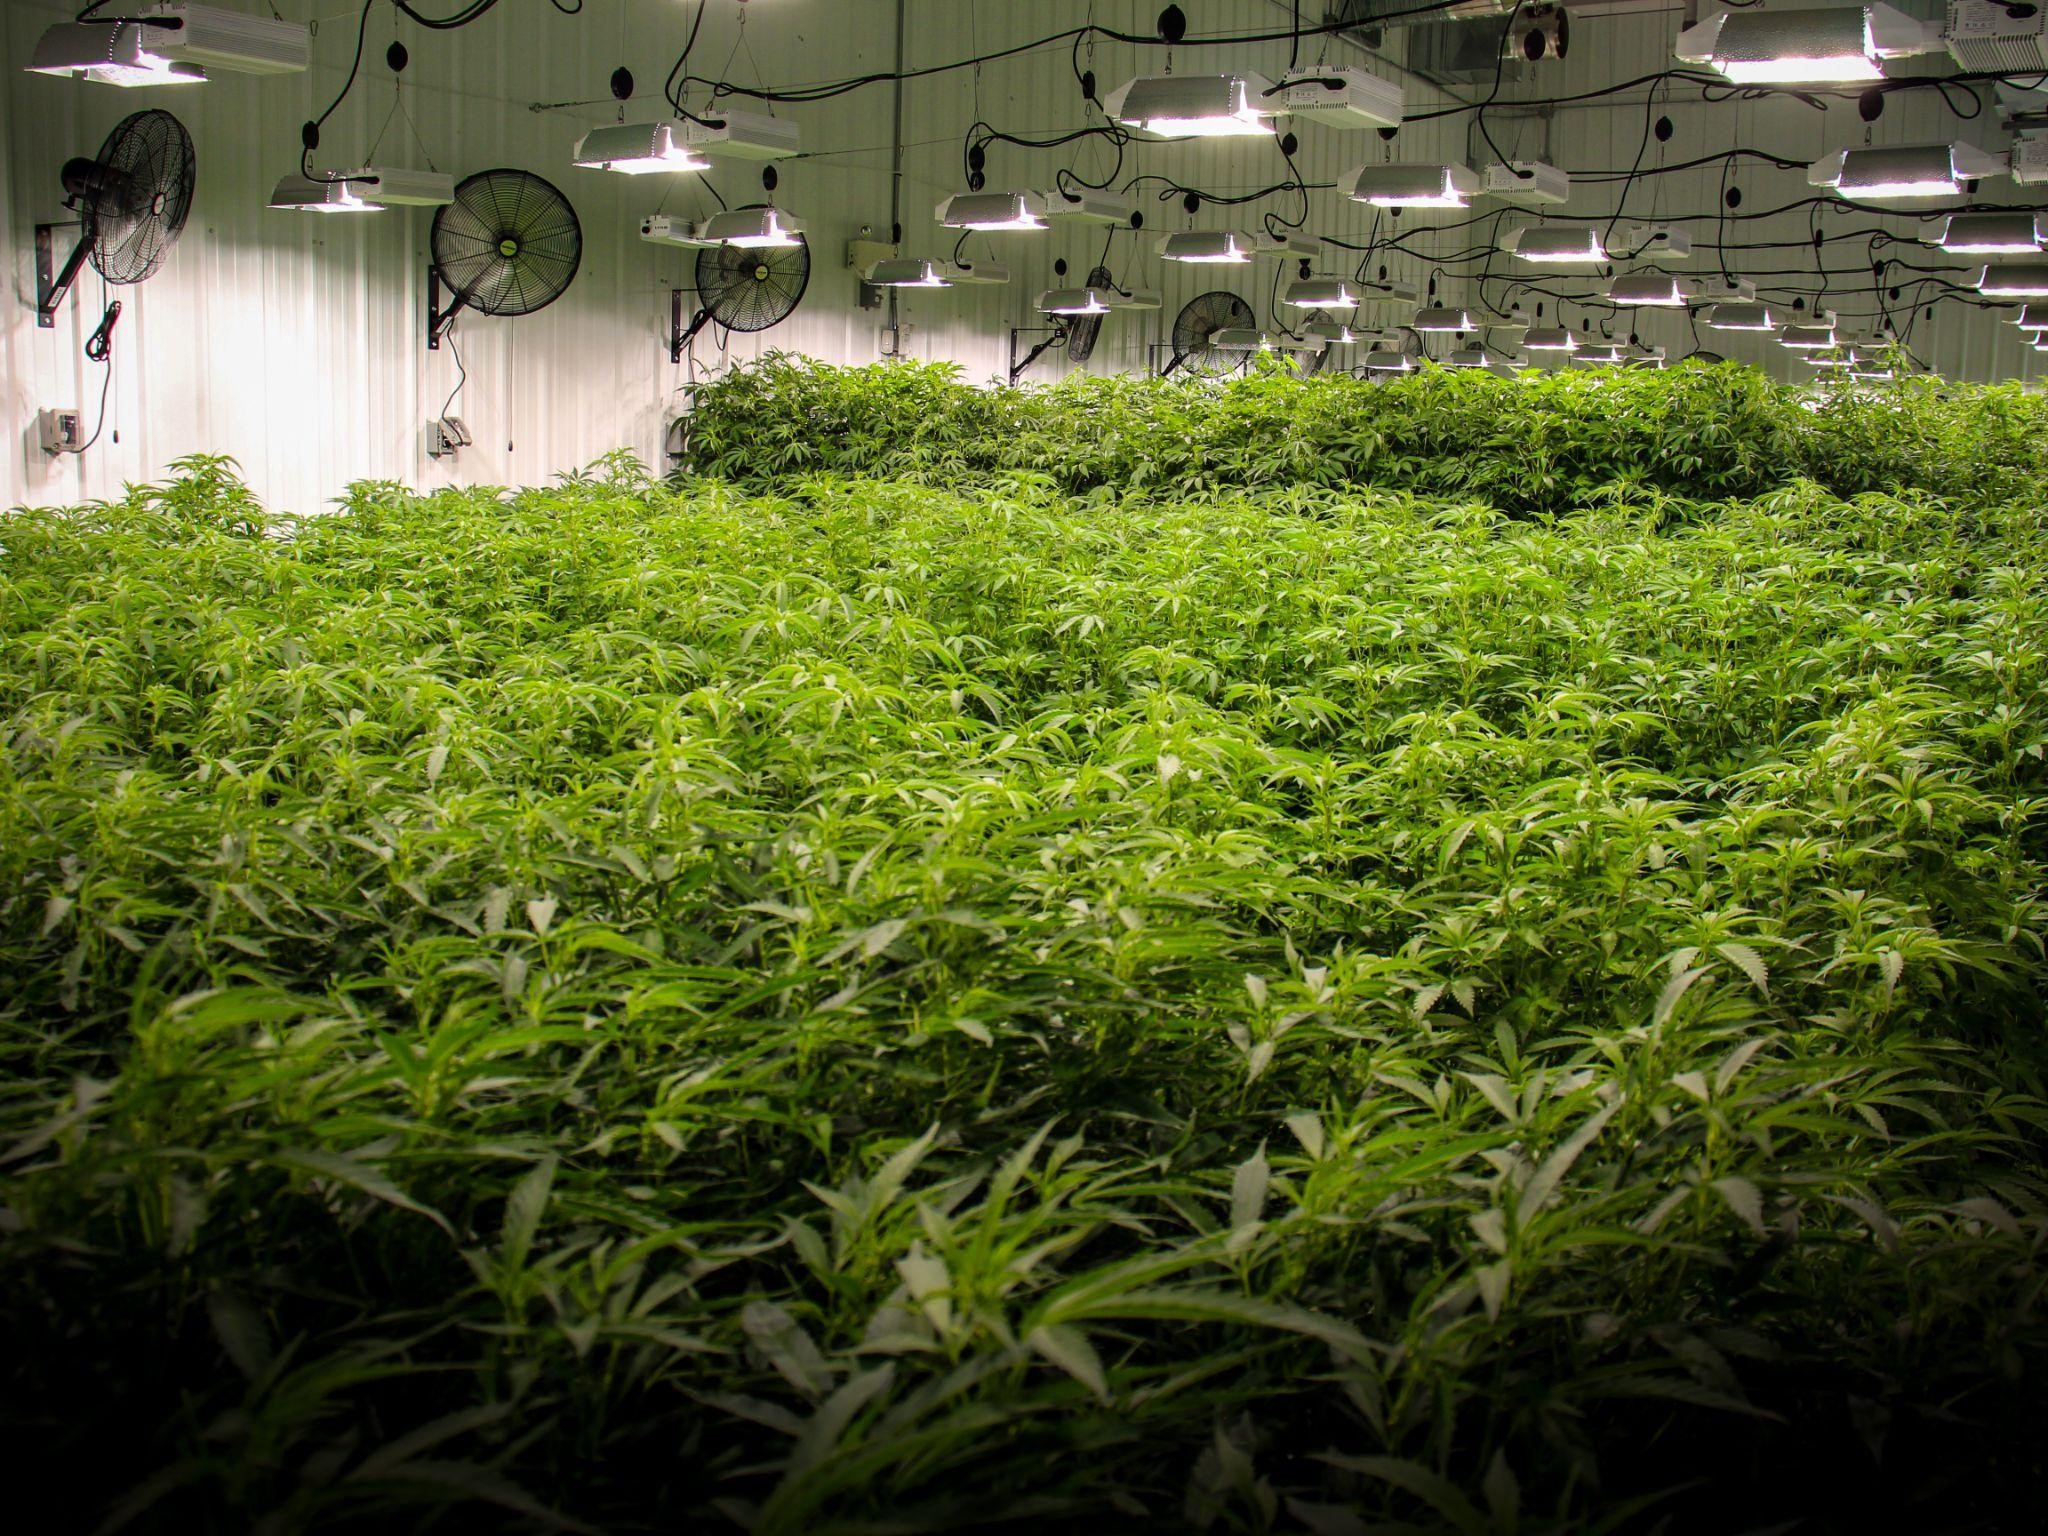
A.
x: 294, y: 341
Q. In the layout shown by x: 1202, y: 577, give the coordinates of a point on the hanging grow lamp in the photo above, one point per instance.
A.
x: 639, y: 149
x: 129, y: 54
x: 1549, y: 338
x: 2015, y: 280
x: 1807, y: 338
x: 1208, y: 245
x: 1836, y: 45
x: 1194, y: 106
x: 1917, y: 170
x: 2032, y: 317
x: 751, y: 229
x: 1333, y: 333
x: 1438, y: 318
x: 1322, y: 293
x: 1412, y: 186
x: 308, y: 194
x: 1557, y: 244
x: 992, y: 212
x: 1074, y: 301
x: 1990, y: 234
x: 1740, y: 317
x: 1647, y: 290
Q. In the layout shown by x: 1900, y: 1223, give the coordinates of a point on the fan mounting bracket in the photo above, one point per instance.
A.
x: 438, y: 317
x: 677, y: 340
x: 53, y: 282
x: 1053, y: 334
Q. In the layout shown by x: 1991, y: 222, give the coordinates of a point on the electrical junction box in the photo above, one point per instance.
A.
x: 1739, y: 289
x: 60, y: 431
x: 1528, y: 182
x: 2030, y: 159
x: 446, y: 436
x: 1088, y: 205
x: 1984, y: 34
x: 1343, y: 98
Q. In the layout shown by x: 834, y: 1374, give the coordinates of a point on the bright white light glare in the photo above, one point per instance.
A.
x: 751, y: 229
x: 1194, y: 106
x: 1990, y: 234
x: 993, y: 212
x: 1435, y: 318
x: 2015, y: 280
x: 639, y: 149
x: 1322, y: 293
x: 122, y: 55
x: 1074, y: 301
x: 1413, y: 186
x: 1206, y: 245
x: 1914, y: 170
x: 1559, y: 244
x: 1740, y: 317
x: 1549, y: 339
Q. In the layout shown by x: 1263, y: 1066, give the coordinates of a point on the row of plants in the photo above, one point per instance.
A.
x: 1539, y: 442
x: 865, y: 1007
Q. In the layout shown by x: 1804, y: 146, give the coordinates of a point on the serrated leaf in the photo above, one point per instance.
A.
x: 1069, y: 1349
x: 1749, y: 962
x: 784, y: 1345
x: 1308, y: 1130
x: 1744, y: 1199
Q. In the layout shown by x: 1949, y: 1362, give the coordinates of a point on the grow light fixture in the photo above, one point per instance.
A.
x: 1990, y: 234
x: 1468, y: 357
x: 1556, y: 244
x: 2015, y: 280
x: 1917, y: 170
x: 1412, y: 186
x: 1387, y: 360
x: 908, y: 272
x: 1835, y: 45
x: 639, y: 149
x: 1074, y: 301
x: 1332, y: 333
x: 1194, y: 106
x: 1740, y: 317
x: 1206, y: 245
x: 127, y: 55
x: 1322, y: 293
x: 991, y: 212
x: 2032, y: 317
x: 1647, y: 290
x: 173, y: 45
x: 1602, y: 354
x: 1344, y: 98
x: 308, y: 194
x: 751, y: 229
x: 1549, y: 338
x: 1807, y: 338
x: 1439, y: 318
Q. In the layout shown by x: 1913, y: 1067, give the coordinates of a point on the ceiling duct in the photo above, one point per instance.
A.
x: 1469, y: 40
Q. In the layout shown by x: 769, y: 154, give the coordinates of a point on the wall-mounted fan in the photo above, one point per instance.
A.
x: 1309, y: 364
x: 742, y: 288
x: 131, y: 200
x: 1199, y: 320
x: 1083, y: 329
x: 508, y: 245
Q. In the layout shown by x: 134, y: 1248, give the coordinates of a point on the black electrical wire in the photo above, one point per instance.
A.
x: 461, y: 372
